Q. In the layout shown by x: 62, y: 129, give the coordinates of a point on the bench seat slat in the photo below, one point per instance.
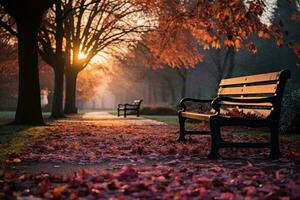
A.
x: 251, y: 79
x: 198, y: 116
x: 259, y: 89
x: 246, y: 104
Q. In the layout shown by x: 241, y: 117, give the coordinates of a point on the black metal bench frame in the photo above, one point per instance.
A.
x: 135, y: 106
x: 217, y: 119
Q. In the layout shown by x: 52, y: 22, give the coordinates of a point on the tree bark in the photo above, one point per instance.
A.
x: 163, y: 93
x: 172, y: 92
x: 171, y: 88
x: 29, y: 101
x: 70, y: 102
x: 183, y: 88
x: 150, y: 99
x: 231, y: 62
x: 154, y: 94
x: 149, y: 90
x: 57, y: 103
x: 183, y: 76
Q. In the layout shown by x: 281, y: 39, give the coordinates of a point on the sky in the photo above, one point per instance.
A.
x: 270, y: 8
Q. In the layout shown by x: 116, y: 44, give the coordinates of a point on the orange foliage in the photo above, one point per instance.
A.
x: 252, y: 47
x: 296, y: 49
x: 176, y: 48
x: 212, y: 22
x: 172, y: 43
x: 9, y: 76
x: 295, y: 46
x: 295, y: 17
x: 87, y: 83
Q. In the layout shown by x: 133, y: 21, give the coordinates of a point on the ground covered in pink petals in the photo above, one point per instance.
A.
x: 103, y: 159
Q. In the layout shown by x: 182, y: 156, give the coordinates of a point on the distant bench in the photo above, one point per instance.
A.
x: 134, y: 107
x: 249, y: 101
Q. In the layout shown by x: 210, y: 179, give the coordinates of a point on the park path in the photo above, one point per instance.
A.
x: 99, y: 115
x: 129, y: 120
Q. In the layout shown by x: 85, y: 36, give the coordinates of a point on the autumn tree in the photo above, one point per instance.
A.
x: 28, y: 17
x: 178, y: 50
x: 51, y: 38
x: 172, y: 45
x: 95, y: 28
x: 220, y: 24
x: 232, y: 25
x: 287, y: 15
x: 8, y: 77
x: 88, y: 82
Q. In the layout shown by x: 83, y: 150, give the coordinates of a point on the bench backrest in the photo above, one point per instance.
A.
x: 137, y: 102
x: 254, y: 86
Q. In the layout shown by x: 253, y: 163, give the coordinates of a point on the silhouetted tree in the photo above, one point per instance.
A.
x: 51, y: 50
x: 95, y: 28
x: 183, y: 74
x: 28, y: 17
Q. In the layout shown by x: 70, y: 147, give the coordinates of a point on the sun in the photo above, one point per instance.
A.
x: 81, y: 56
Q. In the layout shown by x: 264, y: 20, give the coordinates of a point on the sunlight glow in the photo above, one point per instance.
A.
x: 81, y: 56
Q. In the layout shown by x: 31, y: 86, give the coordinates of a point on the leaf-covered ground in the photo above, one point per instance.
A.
x: 121, y: 160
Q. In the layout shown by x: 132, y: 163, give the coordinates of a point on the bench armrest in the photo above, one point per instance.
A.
x: 183, y: 106
x: 215, y: 104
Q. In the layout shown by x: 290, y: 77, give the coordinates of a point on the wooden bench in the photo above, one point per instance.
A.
x: 257, y: 101
x: 135, y: 107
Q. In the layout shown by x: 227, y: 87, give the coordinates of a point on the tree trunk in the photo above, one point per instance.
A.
x: 183, y: 87
x: 170, y: 87
x: 149, y: 94
x: 29, y: 100
x: 149, y: 91
x: 57, y: 103
x: 154, y: 95
x: 163, y: 92
x: 173, y: 93
x: 183, y: 76
x: 70, y: 103
x: 231, y: 62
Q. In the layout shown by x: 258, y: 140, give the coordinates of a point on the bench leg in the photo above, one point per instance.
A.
x: 138, y: 113
x: 181, y: 137
x: 125, y: 113
x: 215, y: 140
x: 118, y: 112
x: 275, y: 150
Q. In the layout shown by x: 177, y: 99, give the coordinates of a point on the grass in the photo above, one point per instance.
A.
x: 293, y: 137
x: 113, y: 112
x: 169, y: 119
x: 11, y: 114
x: 7, y: 114
x: 13, y: 139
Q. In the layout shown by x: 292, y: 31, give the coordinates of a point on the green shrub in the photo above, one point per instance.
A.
x: 290, y: 116
x: 158, y: 110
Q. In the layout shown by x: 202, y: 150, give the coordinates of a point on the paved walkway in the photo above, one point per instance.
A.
x: 129, y: 120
